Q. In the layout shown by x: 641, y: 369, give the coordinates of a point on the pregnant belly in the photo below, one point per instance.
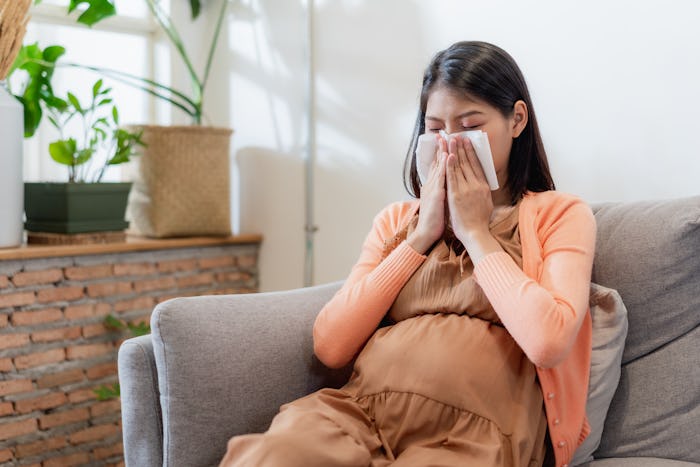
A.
x: 464, y: 362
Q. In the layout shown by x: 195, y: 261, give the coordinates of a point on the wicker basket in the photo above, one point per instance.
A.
x: 181, y: 182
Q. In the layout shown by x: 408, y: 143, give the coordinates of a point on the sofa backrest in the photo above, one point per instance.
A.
x: 650, y: 253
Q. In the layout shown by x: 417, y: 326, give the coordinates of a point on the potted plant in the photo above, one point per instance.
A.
x: 85, y: 203
x: 181, y: 186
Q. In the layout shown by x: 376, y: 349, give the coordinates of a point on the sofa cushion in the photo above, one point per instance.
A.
x: 609, y: 322
x: 648, y: 252
x: 656, y: 409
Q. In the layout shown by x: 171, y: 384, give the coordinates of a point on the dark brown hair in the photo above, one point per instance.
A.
x: 488, y: 73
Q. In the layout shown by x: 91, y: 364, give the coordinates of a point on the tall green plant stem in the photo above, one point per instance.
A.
x: 197, y: 84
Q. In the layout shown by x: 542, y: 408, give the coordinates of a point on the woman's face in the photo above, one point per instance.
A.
x: 455, y: 112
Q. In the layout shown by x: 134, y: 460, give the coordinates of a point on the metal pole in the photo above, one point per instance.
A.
x: 310, y: 156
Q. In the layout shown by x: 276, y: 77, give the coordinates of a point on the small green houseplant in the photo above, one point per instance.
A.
x: 85, y: 203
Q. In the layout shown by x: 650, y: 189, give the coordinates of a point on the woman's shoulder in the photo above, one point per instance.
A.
x: 554, y: 204
x: 552, y: 199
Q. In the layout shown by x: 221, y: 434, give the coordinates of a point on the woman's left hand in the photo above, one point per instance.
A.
x: 468, y: 193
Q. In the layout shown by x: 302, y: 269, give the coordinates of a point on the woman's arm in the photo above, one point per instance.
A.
x: 353, y: 314
x: 544, y: 317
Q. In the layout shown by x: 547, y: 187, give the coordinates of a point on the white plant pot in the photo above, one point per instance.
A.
x: 11, y: 182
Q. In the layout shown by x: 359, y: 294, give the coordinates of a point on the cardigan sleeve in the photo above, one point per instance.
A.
x: 353, y: 314
x: 544, y: 316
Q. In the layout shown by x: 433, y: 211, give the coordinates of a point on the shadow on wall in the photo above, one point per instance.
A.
x: 370, y: 60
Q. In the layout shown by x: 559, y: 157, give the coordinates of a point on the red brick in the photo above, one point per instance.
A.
x: 198, y: 279
x: 138, y: 303
x: 247, y: 261
x: 60, y: 294
x: 87, y: 310
x: 4, y: 281
x: 108, y: 451
x: 58, y: 334
x: 29, y: 318
x: 233, y: 276
x: 46, y: 276
x: 77, y: 458
x: 6, y: 455
x: 37, y: 447
x: 162, y: 283
x: 3, y: 320
x: 83, y: 273
x: 81, y: 395
x: 57, y: 379
x: 6, y: 365
x: 105, y: 289
x: 134, y: 269
x: 6, y: 409
x: 93, y: 330
x: 64, y: 418
x: 78, y: 352
x: 102, y: 370
x: 47, y: 401
x: 17, y: 299
x: 15, y: 386
x: 9, y: 341
x: 177, y: 265
x: 217, y: 262
x: 15, y: 429
x: 93, y: 433
x: 106, y: 407
x: 23, y: 362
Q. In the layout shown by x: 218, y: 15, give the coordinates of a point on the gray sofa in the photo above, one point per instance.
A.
x: 219, y: 366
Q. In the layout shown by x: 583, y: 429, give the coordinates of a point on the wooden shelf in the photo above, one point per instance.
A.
x: 132, y: 243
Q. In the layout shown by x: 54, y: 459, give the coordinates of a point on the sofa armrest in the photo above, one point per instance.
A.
x: 141, y: 416
x: 226, y: 364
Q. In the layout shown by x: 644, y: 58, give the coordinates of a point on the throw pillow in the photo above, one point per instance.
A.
x: 609, y: 317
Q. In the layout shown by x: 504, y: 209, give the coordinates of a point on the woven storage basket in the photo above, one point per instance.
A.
x: 181, y: 182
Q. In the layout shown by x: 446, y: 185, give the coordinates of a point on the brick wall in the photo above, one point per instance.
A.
x: 55, y: 349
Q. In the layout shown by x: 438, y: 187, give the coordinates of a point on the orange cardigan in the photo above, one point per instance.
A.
x: 544, y: 306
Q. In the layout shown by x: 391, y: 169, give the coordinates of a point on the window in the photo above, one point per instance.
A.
x: 126, y: 42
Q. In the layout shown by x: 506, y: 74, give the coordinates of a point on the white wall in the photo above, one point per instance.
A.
x: 614, y: 86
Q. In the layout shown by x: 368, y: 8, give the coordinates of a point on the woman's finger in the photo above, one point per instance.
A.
x: 473, y: 160
x: 461, y: 153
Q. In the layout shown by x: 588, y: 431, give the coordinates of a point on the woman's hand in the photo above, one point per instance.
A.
x: 431, y: 216
x: 469, y: 200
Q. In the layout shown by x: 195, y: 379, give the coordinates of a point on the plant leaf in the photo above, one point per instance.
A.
x: 111, y: 322
x: 96, y: 11
x: 84, y: 155
x: 139, y: 329
x: 106, y: 392
x: 96, y: 88
x: 196, y: 7
x: 53, y: 52
x: 74, y: 101
x: 115, y: 115
x: 63, y: 151
x: 105, y: 101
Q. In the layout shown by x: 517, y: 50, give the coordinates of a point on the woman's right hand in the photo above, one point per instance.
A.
x: 431, y: 216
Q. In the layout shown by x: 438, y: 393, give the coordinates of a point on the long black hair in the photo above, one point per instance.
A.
x: 488, y: 73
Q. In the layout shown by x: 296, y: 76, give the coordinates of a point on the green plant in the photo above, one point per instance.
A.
x: 96, y: 11
x: 96, y: 130
x: 111, y: 391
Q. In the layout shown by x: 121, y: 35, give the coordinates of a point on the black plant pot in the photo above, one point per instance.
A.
x: 75, y: 207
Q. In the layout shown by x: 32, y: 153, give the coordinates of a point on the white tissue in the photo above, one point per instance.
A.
x: 427, y: 148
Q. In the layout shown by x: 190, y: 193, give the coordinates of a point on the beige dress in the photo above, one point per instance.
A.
x: 443, y: 385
